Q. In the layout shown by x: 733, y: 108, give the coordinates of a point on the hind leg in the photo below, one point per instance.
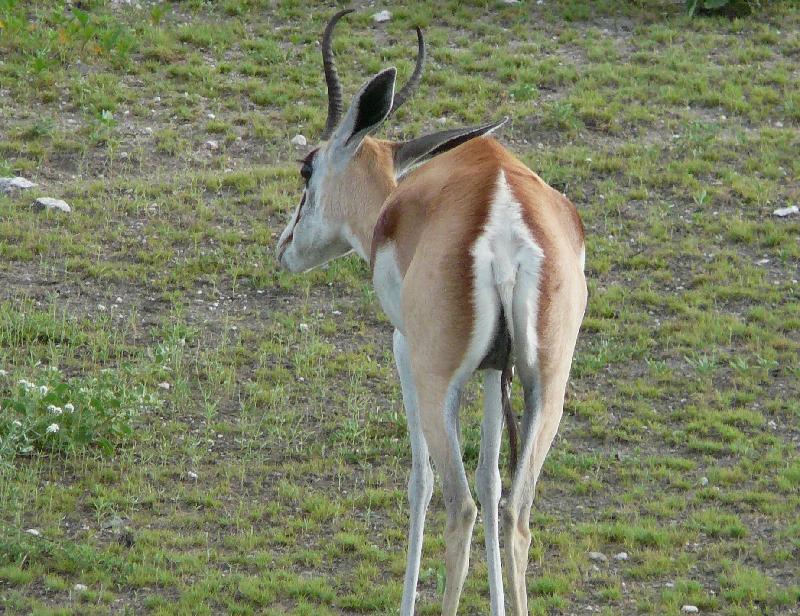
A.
x: 488, y: 483
x: 543, y: 354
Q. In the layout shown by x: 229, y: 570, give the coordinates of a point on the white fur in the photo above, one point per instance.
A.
x: 388, y: 283
x: 505, y: 247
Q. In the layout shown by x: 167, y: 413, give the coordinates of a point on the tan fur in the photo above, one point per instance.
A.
x: 435, y: 215
x: 358, y: 194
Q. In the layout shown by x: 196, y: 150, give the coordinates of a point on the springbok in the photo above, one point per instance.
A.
x: 478, y: 264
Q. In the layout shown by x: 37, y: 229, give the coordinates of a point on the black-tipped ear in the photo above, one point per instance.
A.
x: 419, y: 150
x: 372, y: 104
x: 370, y: 107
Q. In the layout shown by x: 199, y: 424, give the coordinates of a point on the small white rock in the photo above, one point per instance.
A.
x: 441, y: 121
x: 621, y: 556
x: 690, y: 609
x: 33, y: 531
x: 598, y: 557
x: 212, y: 145
x: 381, y: 17
x: 299, y: 140
x: 304, y: 327
x: 46, y: 203
x: 510, y: 1
x: 80, y: 587
x: 783, y: 212
x: 211, y: 116
x: 191, y: 475
x: 164, y: 386
x: 6, y: 184
x: 770, y: 423
x: 704, y: 481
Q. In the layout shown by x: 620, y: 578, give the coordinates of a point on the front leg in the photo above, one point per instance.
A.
x: 420, y: 482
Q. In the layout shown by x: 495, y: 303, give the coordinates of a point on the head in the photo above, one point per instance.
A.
x: 349, y: 171
x: 347, y: 178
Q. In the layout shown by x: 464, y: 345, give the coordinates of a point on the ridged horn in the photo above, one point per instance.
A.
x: 413, y: 82
x: 331, y: 76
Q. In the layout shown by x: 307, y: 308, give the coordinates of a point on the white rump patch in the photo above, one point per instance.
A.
x: 507, y: 264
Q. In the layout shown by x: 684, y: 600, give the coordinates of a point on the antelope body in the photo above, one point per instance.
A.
x: 478, y: 264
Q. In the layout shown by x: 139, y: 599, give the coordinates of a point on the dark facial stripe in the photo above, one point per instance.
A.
x: 297, y: 219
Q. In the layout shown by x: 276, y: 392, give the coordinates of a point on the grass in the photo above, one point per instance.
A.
x: 256, y: 457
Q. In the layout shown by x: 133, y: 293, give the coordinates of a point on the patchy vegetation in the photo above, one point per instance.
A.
x: 267, y: 458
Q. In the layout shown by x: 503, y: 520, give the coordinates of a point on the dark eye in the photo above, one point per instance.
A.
x: 305, y: 171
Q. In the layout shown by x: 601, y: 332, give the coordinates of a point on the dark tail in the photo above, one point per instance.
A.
x: 508, y: 414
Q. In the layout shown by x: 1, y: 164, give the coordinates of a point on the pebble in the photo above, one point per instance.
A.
x: 689, y: 609
x: 192, y: 475
x: 299, y: 140
x: 704, y: 481
x: 381, y: 17
x: 80, y: 587
x: 621, y: 556
x: 212, y: 145
x: 8, y: 184
x: 441, y: 121
x: 47, y: 203
x: 783, y: 212
x: 598, y: 557
x: 164, y: 386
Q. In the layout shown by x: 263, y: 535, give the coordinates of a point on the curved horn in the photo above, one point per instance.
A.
x: 331, y: 76
x: 413, y: 82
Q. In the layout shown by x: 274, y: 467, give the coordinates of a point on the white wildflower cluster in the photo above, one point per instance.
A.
x: 53, y: 428
x: 54, y: 410
x: 69, y: 408
x: 3, y: 372
x: 42, y: 389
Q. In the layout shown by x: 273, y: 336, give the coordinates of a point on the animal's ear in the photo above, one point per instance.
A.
x: 417, y: 151
x: 370, y: 107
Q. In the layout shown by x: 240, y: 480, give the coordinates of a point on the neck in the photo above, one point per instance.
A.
x: 374, y: 188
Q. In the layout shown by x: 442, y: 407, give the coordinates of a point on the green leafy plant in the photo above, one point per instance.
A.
x: 61, y: 415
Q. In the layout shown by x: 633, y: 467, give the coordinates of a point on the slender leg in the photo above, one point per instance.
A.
x: 488, y: 484
x: 420, y: 482
x: 438, y: 404
x: 543, y: 354
x: 516, y: 513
